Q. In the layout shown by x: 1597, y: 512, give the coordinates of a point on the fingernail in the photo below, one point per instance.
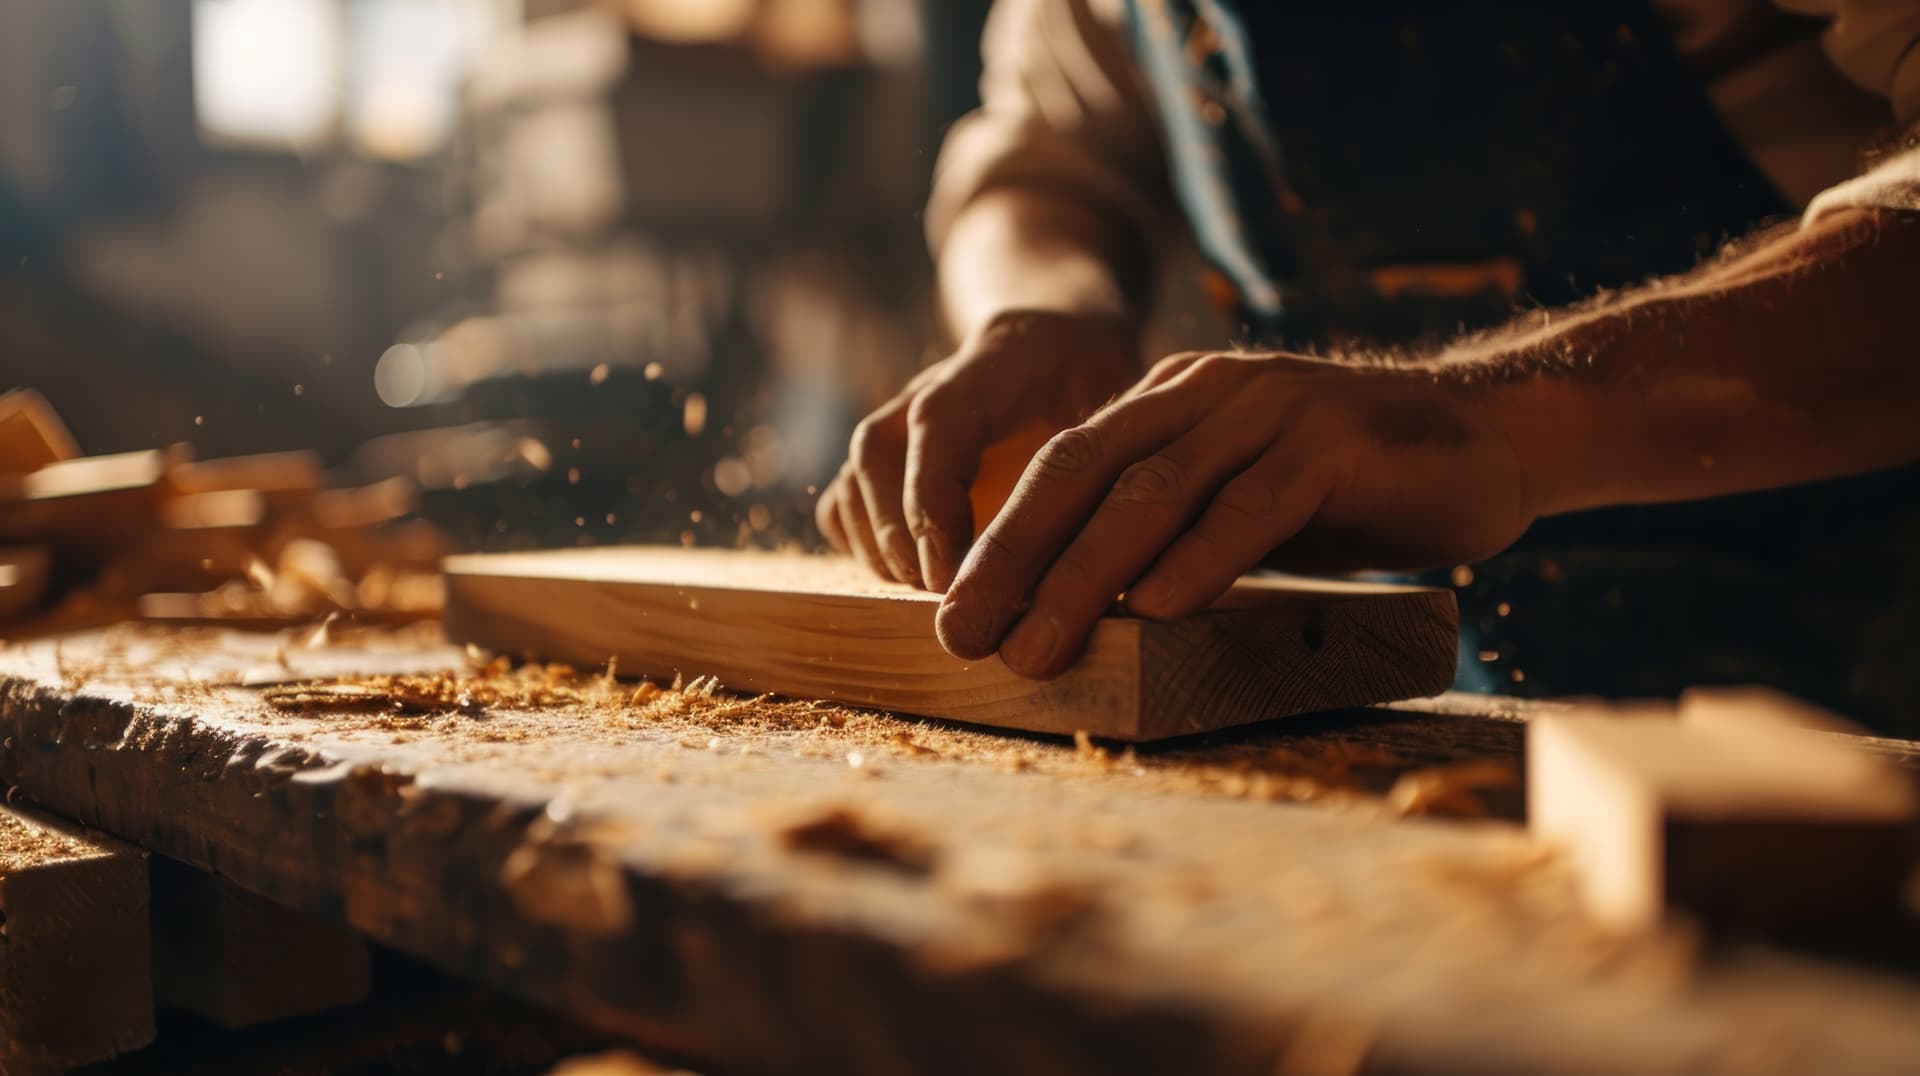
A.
x: 1030, y: 650
x: 935, y: 566
x: 1151, y: 596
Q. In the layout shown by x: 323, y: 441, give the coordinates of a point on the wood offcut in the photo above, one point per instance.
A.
x: 1747, y: 812
x: 817, y: 627
x: 75, y: 984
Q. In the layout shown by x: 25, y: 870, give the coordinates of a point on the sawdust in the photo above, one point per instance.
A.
x: 26, y: 843
x: 496, y: 701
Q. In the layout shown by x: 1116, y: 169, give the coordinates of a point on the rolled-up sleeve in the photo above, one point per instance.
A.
x: 1875, y: 43
x: 1063, y: 109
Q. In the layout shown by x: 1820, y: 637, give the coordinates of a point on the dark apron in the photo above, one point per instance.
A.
x: 1402, y: 172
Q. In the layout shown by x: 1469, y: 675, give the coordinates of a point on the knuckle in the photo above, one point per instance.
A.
x: 1175, y: 362
x: 1213, y: 366
x: 930, y: 405
x: 1249, y: 496
x: 1153, y: 481
x: 864, y: 443
x: 1070, y: 454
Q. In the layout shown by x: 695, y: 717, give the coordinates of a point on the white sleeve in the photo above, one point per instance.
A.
x: 1063, y: 107
x: 1876, y: 44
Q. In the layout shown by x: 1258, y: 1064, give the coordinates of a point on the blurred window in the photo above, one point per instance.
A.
x: 375, y: 77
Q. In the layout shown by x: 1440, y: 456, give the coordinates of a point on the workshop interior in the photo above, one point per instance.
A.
x: 1435, y: 588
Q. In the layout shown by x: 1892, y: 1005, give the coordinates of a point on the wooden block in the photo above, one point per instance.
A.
x: 238, y: 959
x: 93, y: 502
x: 75, y: 985
x: 31, y: 434
x: 23, y: 579
x: 266, y: 473
x: 817, y: 627
x: 1759, y: 826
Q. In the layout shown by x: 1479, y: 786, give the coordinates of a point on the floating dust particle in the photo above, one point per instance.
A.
x: 694, y: 414
x: 849, y: 833
x: 598, y: 375
x: 1463, y: 576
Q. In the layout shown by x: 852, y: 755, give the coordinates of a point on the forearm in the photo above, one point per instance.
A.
x: 1795, y: 361
x: 1019, y: 248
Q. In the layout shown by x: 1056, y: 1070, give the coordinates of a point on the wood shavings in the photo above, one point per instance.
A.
x: 848, y: 833
x: 568, y: 885
x: 1449, y: 790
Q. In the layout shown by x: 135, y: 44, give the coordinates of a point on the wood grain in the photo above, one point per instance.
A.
x: 237, y: 959
x: 1077, y: 913
x: 74, y: 965
x: 814, y: 627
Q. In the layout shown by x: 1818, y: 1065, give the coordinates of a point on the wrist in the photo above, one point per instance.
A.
x: 1559, y: 427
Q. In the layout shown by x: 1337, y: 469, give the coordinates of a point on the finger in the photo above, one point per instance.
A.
x: 853, y: 520
x: 944, y: 442
x: 1257, y: 510
x: 1147, y: 508
x: 826, y: 516
x: 1055, y: 495
x: 876, y: 455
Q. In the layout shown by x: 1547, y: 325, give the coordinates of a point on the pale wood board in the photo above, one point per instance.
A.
x: 1075, y: 914
x: 238, y: 959
x: 818, y: 627
x: 1744, y: 811
x: 74, y: 965
x: 31, y: 433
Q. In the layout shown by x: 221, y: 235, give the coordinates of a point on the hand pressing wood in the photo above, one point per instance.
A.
x: 74, y: 954
x: 1744, y: 811
x: 239, y: 959
x: 820, y: 627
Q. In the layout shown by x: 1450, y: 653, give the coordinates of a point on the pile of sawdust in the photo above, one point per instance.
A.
x: 498, y: 701
x: 25, y: 843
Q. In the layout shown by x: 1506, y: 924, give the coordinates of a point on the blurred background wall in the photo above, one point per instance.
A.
x: 583, y: 269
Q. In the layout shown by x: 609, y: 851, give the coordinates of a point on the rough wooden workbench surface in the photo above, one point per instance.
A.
x: 774, y: 886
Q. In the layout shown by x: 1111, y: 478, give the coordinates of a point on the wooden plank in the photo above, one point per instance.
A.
x: 94, y: 502
x: 31, y: 433
x: 237, y: 959
x: 1741, y: 816
x: 74, y: 982
x: 270, y: 474
x: 662, y: 868
x: 816, y: 627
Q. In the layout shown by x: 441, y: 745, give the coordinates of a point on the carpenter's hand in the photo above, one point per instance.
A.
x: 902, y: 503
x: 1215, y: 464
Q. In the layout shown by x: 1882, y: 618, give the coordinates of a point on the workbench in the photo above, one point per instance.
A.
x: 786, y: 886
